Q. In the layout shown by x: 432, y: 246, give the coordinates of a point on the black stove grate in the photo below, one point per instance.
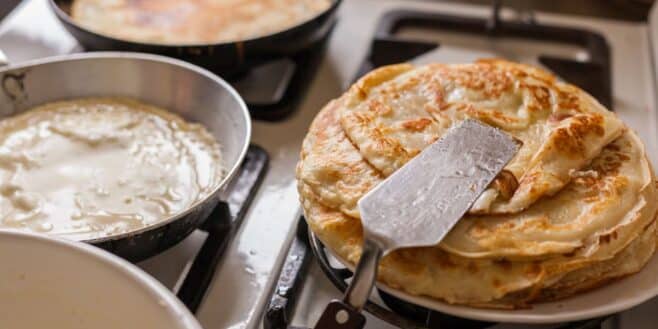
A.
x: 273, y: 89
x: 593, y: 75
x: 401, y: 314
x: 221, y: 226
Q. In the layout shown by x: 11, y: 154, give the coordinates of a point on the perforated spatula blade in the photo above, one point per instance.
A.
x: 419, y: 204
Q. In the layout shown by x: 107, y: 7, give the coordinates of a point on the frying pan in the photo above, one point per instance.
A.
x: 226, y: 58
x: 187, y: 90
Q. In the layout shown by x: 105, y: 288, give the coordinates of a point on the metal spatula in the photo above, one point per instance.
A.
x: 419, y: 204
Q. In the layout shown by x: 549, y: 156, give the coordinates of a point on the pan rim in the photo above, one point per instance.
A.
x: 89, y: 253
x: 230, y: 173
x: 62, y: 15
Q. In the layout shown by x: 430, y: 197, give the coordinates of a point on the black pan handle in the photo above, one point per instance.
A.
x: 346, y: 314
x: 340, y: 315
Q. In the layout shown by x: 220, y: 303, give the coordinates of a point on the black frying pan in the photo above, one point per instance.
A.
x: 222, y: 58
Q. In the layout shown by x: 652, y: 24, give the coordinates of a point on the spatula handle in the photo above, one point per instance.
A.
x: 365, y: 275
x: 346, y: 314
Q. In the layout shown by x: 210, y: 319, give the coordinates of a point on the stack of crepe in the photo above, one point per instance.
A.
x: 573, y: 210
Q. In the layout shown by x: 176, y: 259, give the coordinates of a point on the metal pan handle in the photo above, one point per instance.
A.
x: 346, y: 314
x: 365, y: 275
x: 4, y: 61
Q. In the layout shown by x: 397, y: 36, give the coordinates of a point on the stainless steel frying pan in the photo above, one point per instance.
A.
x: 191, y: 92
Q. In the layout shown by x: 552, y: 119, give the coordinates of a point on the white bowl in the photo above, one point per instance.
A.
x: 53, y: 283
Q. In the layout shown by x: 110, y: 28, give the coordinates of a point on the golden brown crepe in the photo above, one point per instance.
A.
x: 392, y: 113
x: 574, y: 209
x: 192, y: 21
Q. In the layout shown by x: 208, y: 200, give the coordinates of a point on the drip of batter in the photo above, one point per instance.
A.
x: 95, y: 167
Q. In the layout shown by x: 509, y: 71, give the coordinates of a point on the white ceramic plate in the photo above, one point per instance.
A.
x: 52, y: 283
x: 612, y: 298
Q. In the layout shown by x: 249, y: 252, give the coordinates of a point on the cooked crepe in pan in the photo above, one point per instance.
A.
x: 193, y: 21
x: 574, y: 209
x: 97, y: 167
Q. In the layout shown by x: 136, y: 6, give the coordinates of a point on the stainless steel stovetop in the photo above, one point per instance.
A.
x: 244, y: 279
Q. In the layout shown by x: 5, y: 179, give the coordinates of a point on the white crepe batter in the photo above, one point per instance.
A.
x: 95, y: 167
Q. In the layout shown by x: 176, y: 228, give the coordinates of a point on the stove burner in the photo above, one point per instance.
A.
x: 593, y: 75
x: 401, y: 314
x: 273, y: 89
x: 221, y: 226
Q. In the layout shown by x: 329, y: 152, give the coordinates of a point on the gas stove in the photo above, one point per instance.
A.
x: 241, y: 267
